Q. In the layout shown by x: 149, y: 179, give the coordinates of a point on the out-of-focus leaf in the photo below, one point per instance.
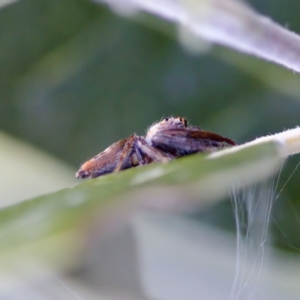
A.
x: 232, y: 24
x: 28, y: 172
x: 6, y: 2
x: 202, y: 258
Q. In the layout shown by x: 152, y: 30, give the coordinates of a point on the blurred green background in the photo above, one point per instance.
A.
x: 75, y: 77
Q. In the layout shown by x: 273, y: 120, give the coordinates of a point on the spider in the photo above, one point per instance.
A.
x: 168, y: 139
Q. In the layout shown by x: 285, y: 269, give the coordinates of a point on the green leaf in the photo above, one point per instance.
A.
x: 62, y: 219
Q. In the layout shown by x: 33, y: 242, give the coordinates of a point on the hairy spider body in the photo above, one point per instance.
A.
x: 168, y: 139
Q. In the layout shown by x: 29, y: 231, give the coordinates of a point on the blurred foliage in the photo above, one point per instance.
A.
x: 75, y: 78
x: 35, y: 172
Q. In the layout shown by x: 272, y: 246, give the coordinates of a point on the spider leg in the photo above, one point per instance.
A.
x: 131, y: 155
x: 141, y: 157
x: 138, y: 152
x: 153, y: 153
x: 125, y: 154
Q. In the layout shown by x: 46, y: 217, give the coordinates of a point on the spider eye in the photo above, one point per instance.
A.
x: 166, y: 119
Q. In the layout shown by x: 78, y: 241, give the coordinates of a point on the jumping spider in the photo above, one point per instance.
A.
x: 168, y: 139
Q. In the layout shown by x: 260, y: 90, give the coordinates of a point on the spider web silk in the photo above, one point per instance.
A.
x: 252, y: 208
